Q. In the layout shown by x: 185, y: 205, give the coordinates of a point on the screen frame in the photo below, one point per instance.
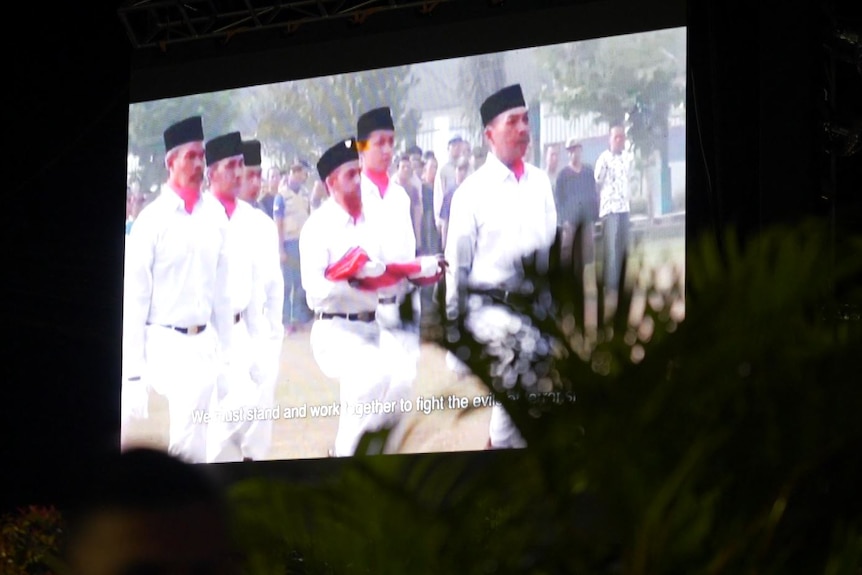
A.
x: 337, y: 47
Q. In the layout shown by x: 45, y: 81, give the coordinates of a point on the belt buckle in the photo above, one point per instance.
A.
x: 194, y: 330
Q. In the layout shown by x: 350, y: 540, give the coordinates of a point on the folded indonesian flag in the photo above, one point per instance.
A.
x: 423, y: 270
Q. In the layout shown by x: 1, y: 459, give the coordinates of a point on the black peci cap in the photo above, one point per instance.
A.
x: 341, y: 153
x: 498, y: 102
x: 183, y: 132
x: 225, y: 146
x: 251, y: 153
x: 376, y: 119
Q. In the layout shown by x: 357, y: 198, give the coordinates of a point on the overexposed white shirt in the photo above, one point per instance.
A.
x: 612, y: 174
x: 391, y: 215
x: 494, y: 221
x: 326, y: 237
x: 245, y: 282
x: 269, y: 270
x: 176, y: 272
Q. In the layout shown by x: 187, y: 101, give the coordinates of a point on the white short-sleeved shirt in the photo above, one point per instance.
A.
x: 176, y: 272
x: 612, y: 176
x: 494, y: 221
x: 327, y: 236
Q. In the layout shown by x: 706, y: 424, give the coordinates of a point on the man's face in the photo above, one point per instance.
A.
x: 251, y: 181
x: 617, y: 140
x: 190, y: 540
x: 416, y: 164
x: 575, y: 155
x: 454, y: 151
x: 405, y: 170
x: 298, y: 176
x: 461, y: 173
x: 377, y: 152
x: 552, y: 157
x: 273, y: 179
x: 226, y: 176
x: 186, y: 165
x: 509, y: 135
x: 344, y: 182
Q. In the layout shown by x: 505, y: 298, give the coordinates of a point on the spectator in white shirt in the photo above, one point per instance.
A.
x: 176, y: 307
x: 502, y: 212
x: 613, y: 170
x: 238, y: 388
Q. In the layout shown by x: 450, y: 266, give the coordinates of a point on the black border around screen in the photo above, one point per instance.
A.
x: 338, y: 48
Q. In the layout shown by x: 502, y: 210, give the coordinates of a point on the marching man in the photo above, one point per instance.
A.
x: 176, y: 309
x: 502, y: 212
x: 388, y: 203
x: 239, y: 384
x: 342, y: 252
x: 266, y: 250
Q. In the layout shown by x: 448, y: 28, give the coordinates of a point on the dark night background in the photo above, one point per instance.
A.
x: 758, y: 71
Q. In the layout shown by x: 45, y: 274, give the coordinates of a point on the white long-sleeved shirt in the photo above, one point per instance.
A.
x: 391, y: 215
x: 327, y: 236
x: 176, y: 273
x: 494, y: 221
x: 269, y: 270
x: 245, y: 283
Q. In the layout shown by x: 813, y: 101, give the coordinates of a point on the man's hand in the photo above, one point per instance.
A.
x: 424, y: 270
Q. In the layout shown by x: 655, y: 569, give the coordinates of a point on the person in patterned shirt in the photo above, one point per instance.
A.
x: 613, y: 170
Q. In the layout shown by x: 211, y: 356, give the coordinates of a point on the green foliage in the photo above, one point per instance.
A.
x: 614, y: 76
x: 725, y: 442
x: 30, y: 541
x: 479, y: 77
x: 148, y: 121
x: 306, y: 117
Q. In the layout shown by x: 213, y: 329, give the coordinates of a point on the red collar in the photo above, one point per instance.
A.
x: 228, y: 202
x: 379, y: 179
x: 518, y: 169
x: 189, y: 196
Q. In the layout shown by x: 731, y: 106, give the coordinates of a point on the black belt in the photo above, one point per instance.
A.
x: 366, y: 316
x: 193, y: 330
x: 505, y: 296
x: 237, y: 317
x: 393, y: 299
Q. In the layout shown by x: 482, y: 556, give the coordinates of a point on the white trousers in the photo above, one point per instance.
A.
x: 399, y: 348
x: 258, y: 439
x: 349, y: 351
x: 492, y: 324
x: 235, y: 393
x: 182, y: 368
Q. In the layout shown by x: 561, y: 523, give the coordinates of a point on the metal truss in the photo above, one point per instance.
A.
x: 161, y: 23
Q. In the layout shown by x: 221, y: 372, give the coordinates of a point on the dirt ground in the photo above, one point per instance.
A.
x: 300, y: 383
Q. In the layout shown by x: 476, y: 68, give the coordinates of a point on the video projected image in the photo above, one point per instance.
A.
x: 286, y: 243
